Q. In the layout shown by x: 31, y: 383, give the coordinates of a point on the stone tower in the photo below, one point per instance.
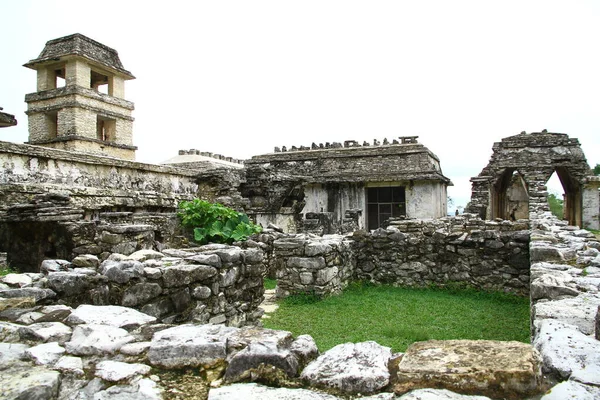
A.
x: 79, y: 104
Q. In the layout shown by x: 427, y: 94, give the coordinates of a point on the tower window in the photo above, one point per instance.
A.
x: 99, y: 82
x: 106, y: 129
x: 52, y: 124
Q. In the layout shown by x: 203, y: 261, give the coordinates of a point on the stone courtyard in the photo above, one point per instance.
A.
x: 110, y: 297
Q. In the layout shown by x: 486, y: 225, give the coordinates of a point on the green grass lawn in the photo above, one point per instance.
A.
x: 396, y: 317
x: 270, y: 283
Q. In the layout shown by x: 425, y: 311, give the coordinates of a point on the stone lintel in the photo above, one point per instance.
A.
x: 71, y: 138
x: 78, y: 90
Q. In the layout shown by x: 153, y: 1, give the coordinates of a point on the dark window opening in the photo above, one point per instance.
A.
x: 52, y: 124
x: 105, y: 129
x: 99, y: 82
x: 384, y: 203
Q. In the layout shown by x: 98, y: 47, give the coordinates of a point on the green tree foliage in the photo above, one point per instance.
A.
x: 556, y: 205
x: 215, y: 223
x: 597, y: 169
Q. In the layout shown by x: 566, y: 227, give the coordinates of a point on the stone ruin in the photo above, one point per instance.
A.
x: 115, y: 300
x: 513, y: 184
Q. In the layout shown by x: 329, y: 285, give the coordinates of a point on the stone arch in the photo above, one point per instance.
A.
x: 530, y: 160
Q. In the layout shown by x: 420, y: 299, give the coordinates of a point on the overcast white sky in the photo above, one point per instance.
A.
x: 240, y: 77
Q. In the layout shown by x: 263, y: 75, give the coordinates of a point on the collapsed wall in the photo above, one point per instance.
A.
x: 52, y: 202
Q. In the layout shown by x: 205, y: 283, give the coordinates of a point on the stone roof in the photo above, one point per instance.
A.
x: 7, y: 119
x: 352, y: 162
x: 80, y: 45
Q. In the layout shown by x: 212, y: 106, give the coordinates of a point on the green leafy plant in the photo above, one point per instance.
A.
x: 213, y: 222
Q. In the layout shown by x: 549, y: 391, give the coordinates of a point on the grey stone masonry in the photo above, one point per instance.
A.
x: 310, y: 264
x: 461, y: 250
x: 209, y: 284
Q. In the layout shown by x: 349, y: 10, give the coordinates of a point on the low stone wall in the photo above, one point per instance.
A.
x: 458, y: 250
x: 461, y: 250
x: 565, y: 306
x: 213, y: 283
x: 310, y: 264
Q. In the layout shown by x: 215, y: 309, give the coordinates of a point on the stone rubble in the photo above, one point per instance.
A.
x: 106, y: 351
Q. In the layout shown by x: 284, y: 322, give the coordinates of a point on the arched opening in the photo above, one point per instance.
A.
x: 510, y: 196
x: 571, y: 195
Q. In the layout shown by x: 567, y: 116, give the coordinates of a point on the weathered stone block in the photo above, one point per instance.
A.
x: 509, y: 370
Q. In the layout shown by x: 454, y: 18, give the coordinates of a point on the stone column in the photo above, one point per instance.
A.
x: 591, y: 203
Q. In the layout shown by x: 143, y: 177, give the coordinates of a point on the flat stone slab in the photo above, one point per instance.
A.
x: 579, y: 311
x: 29, y: 382
x: 496, y: 369
x: 252, y: 391
x: 189, y: 346
x: 564, y: 349
x: 572, y: 390
x: 115, y: 371
x: 436, y: 394
x: 97, y: 340
x: 120, y: 317
x: 351, y: 368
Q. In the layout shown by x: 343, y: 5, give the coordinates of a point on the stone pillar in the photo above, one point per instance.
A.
x: 46, y: 79
x: 591, y: 203
x: 116, y: 86
x: 77, y: 73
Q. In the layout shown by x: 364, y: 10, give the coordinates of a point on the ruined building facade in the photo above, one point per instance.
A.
x: 339, y: 188
x: 513, y: 184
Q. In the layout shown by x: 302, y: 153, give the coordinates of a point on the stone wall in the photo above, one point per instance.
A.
x: 209, y: 284
x: 463, y: 250
x: 94, y: 183
x: 565, y: 306
x: 460, y: 250
x: 315, y: 265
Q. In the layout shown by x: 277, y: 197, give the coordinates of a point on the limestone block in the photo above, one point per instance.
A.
x: 54, y: 266
x: 143, y: 255
x: 17, y: 280
x: 121, y: 317
x: 564, y: 349
x: 572, y: 390
x: 552, y: 286
x: 10, y: 352
x: 38, y: 294
x: 122, y: 271
x: 92, y: 339
x: 134, y: 349
x: 189, y: 346
x: 253, y: 359
x: 497, y: 369
x: 201, y: 292
x: 140, y: 293
x: 207, y: 259
x: 351, y: 368
x: 46, y: 353
x: 310, y: 263
x: 305, y: 349
x: 145, y: 389
x: 579, y: 311
x: 325, y: 275
x: 31, y: 383
x: 115, y: 371
x: 253, y: 391
x: 70, y: 364
x: 16, y: 302
x: 437, y: 394
x: 86, y: 261
x: 183, y: 275
x: 47, y: 332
